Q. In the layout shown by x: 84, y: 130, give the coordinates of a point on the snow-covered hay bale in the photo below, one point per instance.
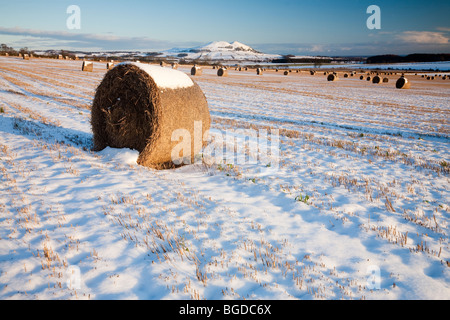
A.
x: 403, y: 83
x: 26, y: 56
x: 87, y: 66
x: 376, y: 79
x: 196, y: 71
x: 332, y: 77
x: 222, y: 72
x: 147, y: 108
x: 109, y: 65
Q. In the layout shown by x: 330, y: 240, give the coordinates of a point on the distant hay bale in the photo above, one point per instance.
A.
x: 109, y: 65
x: 361, y: 78
x: 385, y: 80
x: 151, y: 110
x: 6, y: 54
x: 403, y: 83
x: 312, y: 72
x: 87, y: 66
x: 175, y: 66
x: 345, y: 75
x: 259, y: 72
x: 196, y: 71
x: 26, y: 57
x: 332, y: 77
x: 368, y: 78
x: 376, y: 79
x: 222, y: 72
x: 60, y: 56
x: 286, y: 73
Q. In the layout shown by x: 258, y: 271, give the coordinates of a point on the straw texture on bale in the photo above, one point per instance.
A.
x: 222, y: 72
x: 403, y: 83
x: 87, y: 66
x: 131, y: 110
x: 196, y: 71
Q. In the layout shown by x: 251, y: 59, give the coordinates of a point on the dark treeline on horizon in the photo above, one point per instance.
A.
x: 416, y: 57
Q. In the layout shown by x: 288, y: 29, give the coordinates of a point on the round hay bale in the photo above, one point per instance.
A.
x: 361, y: 78
x: 312, y: 72
x: 368, y: 78
x: 403, y: 83
x: 286, y: 73
x: 196, y: 71
x: 109, y: 65
x: 87, y: 66
x: 385, y: 80
x: 174, y: 65
x: 146, y: 108
x: 259, y: 72
x: 345, y: 75
x: 222, y: 72
x: 376, y: 79
x: 332, y: 77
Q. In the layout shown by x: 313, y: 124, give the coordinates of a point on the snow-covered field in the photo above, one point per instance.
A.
x: 354, y: 203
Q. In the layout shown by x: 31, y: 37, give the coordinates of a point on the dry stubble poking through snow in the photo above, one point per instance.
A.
x: 357, y: 209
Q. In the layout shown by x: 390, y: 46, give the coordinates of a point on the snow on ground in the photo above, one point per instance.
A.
x: 352, y: 202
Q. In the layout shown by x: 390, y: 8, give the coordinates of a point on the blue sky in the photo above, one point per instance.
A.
x: 321, y: 27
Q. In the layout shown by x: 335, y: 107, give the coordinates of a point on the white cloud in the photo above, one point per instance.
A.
x: 73, y: 40
x: 423, y: 37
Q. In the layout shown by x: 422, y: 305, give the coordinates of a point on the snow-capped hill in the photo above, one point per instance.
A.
x: 220, y: 51
x: 225, y: 46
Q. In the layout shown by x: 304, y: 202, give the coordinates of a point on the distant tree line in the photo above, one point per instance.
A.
x: 416, y: 57
x: 10, y: 50
x: 294, y: 59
